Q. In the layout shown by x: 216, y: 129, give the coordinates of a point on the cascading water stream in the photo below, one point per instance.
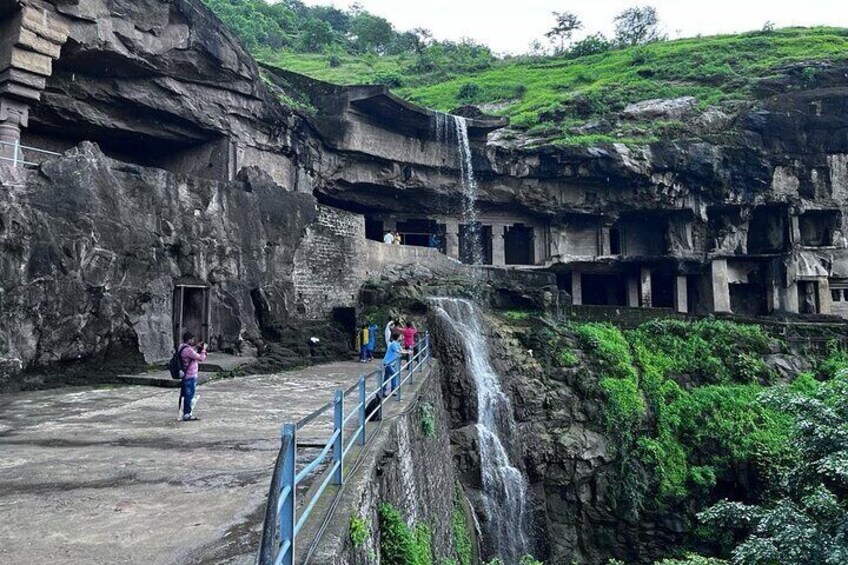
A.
x: 452, y: 131
x: 504, y: 488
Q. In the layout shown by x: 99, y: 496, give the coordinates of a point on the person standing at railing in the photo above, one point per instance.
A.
x: 409, y: 333
x: 364, y: 340
x: 389, y: 238
x: 372, y: 340
x: 391, y: 364
x: 389, y: 332
x: 397, y: 239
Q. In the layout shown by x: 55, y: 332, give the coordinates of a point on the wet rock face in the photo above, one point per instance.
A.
x: 563, y: 450
x: 92, y: 248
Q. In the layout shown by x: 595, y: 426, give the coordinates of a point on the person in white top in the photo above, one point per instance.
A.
x: 389, y: 238
x: 388, y: 333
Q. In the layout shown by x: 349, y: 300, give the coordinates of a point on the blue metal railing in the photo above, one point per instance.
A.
x: 283, y: 522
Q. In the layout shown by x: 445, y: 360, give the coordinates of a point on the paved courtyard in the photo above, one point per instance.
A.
x: 108, y: 475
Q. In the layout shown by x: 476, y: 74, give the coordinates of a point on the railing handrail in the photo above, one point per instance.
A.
x: 28, y: 148
x: 282, y: 524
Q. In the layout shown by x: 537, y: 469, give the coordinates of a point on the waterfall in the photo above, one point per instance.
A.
x: 452, y: 131
x: 504, y: 488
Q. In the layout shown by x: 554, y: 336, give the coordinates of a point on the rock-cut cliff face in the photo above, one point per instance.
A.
x: 91, y: 250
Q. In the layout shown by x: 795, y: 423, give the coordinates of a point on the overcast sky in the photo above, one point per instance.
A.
x: 509, y: 26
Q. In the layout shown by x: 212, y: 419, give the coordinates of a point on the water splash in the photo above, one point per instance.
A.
x: 504, y: 487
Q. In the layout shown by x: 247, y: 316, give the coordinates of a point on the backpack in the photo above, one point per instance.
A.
x: 175, y: 365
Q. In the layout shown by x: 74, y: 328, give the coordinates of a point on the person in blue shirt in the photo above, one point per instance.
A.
x: 372, y: 340
x: 391, y: 363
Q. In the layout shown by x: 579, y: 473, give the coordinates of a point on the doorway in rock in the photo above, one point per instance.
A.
x: 603, y: 290
x: 191, y: 312
x: 466, y: 250
x: 662, y: 290
x: 518, y: 245
x: 374, y: 229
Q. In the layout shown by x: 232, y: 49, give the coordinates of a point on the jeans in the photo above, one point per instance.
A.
x: 390, y: 374
x: 189, y: 386
x: 363, y: 353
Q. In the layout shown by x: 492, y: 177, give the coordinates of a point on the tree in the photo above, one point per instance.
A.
x: 590, y: 45
x: 565, y: 26
x: 372, y: 33
x: 316, y: 35
x: 637, y: 26
x: 806, y: 521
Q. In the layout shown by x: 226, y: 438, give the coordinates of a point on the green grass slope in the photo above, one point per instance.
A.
x: 551, y: 97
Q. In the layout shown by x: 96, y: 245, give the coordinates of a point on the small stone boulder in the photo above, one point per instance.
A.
x: 660, y: 109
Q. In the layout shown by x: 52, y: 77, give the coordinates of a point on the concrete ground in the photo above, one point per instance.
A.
x: 107, y: 475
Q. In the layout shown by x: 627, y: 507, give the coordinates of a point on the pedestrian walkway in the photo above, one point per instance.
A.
x: 107, y: 475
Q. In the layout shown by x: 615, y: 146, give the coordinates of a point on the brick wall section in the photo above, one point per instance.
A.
x: 329, y: 263
x: 334, y: 260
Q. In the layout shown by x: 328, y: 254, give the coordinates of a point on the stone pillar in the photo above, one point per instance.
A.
x: 498, y: 248
x: 681, y: 295
x: 825, y: 299
x: 451, y: 238
x: 632, y: 291
x: 605, y: 242
x: 794, y: 230
x: 720, y: 286
x: 13, y: 116
x: 576, y: 287
x: 645, y: 276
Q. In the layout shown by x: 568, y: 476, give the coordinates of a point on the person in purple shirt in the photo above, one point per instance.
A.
x: 191, y: 355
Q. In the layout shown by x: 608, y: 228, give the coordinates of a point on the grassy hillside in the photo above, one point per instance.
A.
x: 550, y: 98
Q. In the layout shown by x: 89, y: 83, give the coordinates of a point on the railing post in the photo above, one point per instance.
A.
x: 338, y: 445
x: 429, y: 361
x: 287, y: 516
x: 412, y: 361
x: 363, y: 412
x: 398, y: 374
x: 381, y: 390
x: 15, y: 150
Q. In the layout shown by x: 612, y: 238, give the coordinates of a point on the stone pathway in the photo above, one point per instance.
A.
x: 107, y: 475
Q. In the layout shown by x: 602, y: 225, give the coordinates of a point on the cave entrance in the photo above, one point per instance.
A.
x: 768, y: 231
x: 374, y: 229
x: 603, y: 290
x: 417, y: 232
x: 191, y: 312
x: 662, y: 289
x: 817, y: 227
x: 466, y: 243
x: 518, y: 245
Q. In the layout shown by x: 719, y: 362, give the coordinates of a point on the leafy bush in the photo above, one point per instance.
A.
x: 591, y: 45
x: 567, y: 358
x: 469, y: 92
x: 360, y: 531
x: 398, y: 544
x: 392, y: 79
x: 428, y: 420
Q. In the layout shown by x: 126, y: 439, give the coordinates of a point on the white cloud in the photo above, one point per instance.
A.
x: 510, y: 26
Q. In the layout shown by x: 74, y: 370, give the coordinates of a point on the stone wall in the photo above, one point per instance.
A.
x: 408, y: 469
x: 334, y: 260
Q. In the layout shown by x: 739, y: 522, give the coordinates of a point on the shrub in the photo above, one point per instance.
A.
x: 591, y: 45
x: 469, y: 92
x: 360, y: 531
x: 428, y: 420
x: 391, y: 79
x: 398, y: 544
